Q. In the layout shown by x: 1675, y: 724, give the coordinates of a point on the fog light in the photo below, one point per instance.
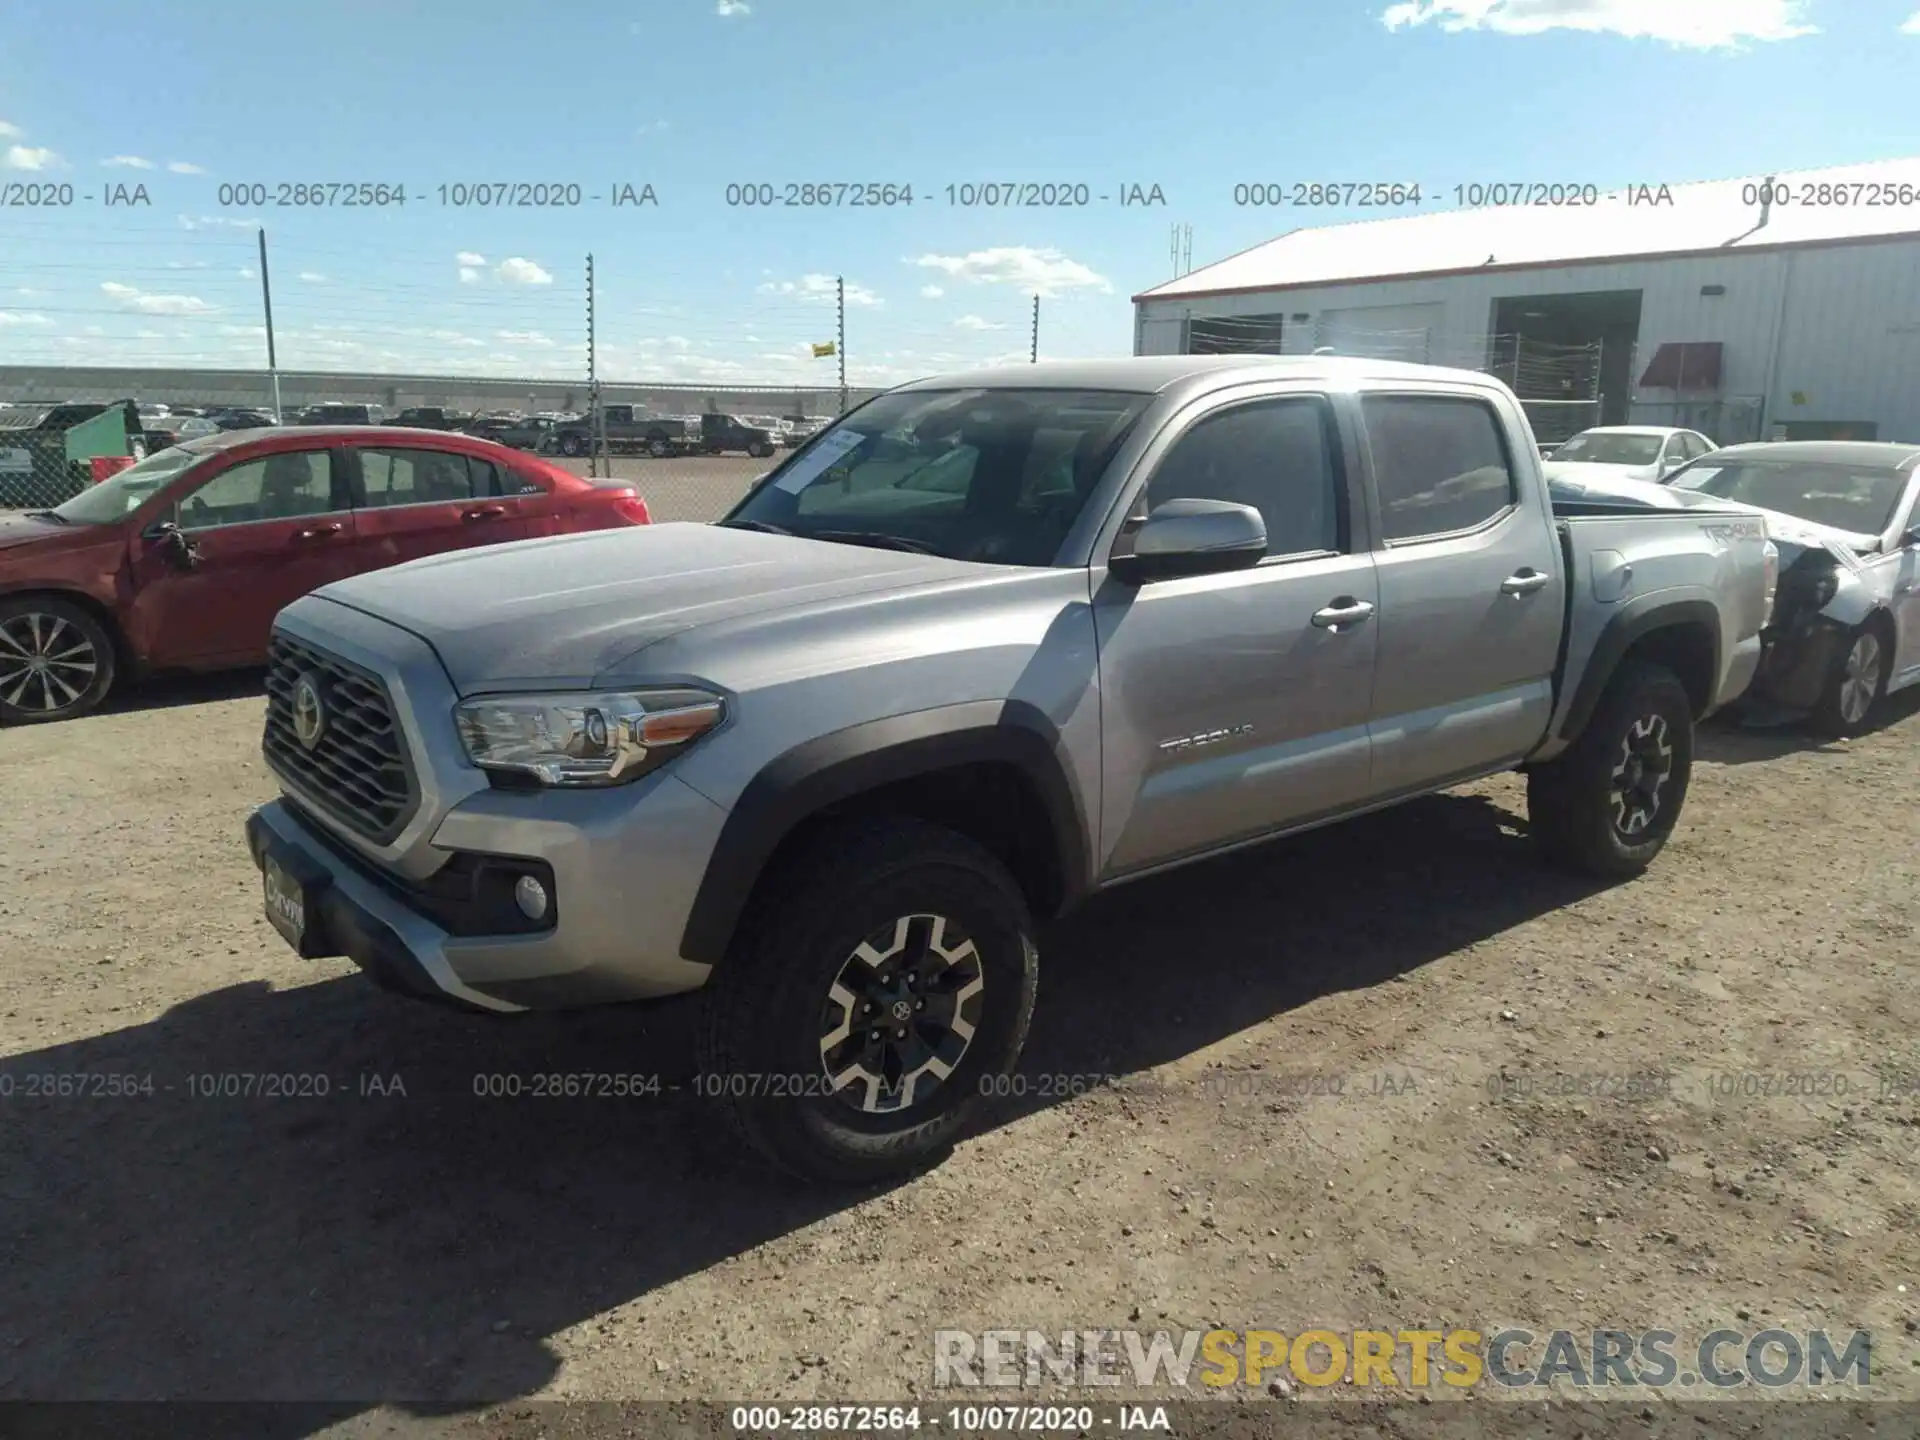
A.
x: 531, y: 896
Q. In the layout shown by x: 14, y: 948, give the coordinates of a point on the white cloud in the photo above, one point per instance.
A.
x: 931, y: 292
x: 469, y: 258
x: 25, y: 157
x: 127, y: 162
x: 189, y: 264
x: 10, y: 132
x: 1910, y: 27
x: 312, y: 277
x: 732, y: 7
x: 29, y: 291
x: 974, y: 322
x: 22, y: 317
x: 1041, y: 271
x: 517, y: 271
x: 1697, y: 24
x: 216, y: 222
x: 184, y: 167
x: 246, y: 273
x: 654, y: 127
x: 525, y: 337
x: 469, y: 275
x: 148, y: 304
x: 819, y: 288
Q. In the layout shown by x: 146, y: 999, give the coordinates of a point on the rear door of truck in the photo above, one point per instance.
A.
x: 1471, y: 585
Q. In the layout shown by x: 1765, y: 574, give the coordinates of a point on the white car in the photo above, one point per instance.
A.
x: 1626, y: 452
x: 1844, y: 516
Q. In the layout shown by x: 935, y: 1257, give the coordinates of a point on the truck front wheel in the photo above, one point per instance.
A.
x: 1607, y: 805
x: 572, y: 445
x: 658, y: 447
x: 880, y: 986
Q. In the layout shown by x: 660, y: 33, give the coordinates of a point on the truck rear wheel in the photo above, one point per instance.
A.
x: 879, y: 987
x: 1607, y: 805
x: 658, y: 448
x: 572, y: 445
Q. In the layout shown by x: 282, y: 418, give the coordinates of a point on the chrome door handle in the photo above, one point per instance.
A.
x: 485, y: 512
x: 1344, y: 611
x: 319, y: 532
x: 1524, y: 582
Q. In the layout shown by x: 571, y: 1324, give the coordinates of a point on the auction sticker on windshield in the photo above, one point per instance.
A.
x: 820, y: 458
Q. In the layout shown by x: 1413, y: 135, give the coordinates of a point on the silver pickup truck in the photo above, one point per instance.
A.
x: 989, y: 645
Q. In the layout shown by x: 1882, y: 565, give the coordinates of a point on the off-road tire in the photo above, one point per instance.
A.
x: 1830, y: 717
x: 76, y: 628
x: 1573, y: 809
x: 760, y: 1042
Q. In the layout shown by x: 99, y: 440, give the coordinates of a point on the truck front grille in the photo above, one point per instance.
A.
x: 356, y: 770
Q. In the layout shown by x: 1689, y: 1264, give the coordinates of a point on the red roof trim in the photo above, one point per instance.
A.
x: 1569, y: 263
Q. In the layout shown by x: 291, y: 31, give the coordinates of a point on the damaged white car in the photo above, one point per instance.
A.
x: 1845, y: 519
x: 1845, y: 630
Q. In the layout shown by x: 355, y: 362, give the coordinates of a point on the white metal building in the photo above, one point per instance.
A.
x: 1724, y: 306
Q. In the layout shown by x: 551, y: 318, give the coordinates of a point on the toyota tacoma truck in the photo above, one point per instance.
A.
x: 987, y: 646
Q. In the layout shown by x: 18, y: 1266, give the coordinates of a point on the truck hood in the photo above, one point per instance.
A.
x: 1583, y: 470
x: 562, y: 612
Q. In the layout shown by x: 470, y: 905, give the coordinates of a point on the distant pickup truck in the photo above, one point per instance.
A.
x: 629, y: 428
x: 993, y: 643
x: 520, y: 432
x: 430, y: 417
x: 721, y: 433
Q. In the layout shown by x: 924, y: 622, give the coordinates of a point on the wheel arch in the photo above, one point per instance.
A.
x: 101, y: 612
x: 1682, y: 635
x: 992, y: 770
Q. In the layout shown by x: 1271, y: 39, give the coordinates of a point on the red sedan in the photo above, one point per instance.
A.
x: 182, y: 561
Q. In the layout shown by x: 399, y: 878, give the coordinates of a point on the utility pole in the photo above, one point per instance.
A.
x: 266, y: 304
x: 840, y: 339
x: 1033, y: 354
x: 597, y: 434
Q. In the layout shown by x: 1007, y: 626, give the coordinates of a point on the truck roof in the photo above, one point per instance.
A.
x: 1150, y: 374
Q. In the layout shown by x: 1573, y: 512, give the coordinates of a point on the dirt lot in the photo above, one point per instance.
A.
x: 440, y: 1249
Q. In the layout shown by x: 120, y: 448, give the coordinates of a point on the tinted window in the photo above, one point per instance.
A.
x: 1440, y: 463
x: 418, y: 477
x: 276, y: 487
x: 994, y: 475
x: 1276, y: 456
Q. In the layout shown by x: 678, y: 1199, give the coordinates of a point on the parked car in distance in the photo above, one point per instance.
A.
x: 181, y: 561
x: 836, y: 755
x: 1626, y: 452
x: 172, y: 429
x: 431, y: 417
x: 233, y: 418
x: 721, y: 433
x: 521, y: 432
x: 629, y: 428
x: 51, y: 444
x: 1845, y: 516
x: 801, y: 428
x: 338, y: 414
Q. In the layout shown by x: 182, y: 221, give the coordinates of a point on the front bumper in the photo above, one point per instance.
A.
x: 624, y: 869
x: 1798, y: 660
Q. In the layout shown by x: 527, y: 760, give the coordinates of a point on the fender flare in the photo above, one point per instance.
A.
x: 801, y: 782
x: 1636, y: 619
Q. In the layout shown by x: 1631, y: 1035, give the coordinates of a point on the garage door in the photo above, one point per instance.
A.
x: 1383, y: 332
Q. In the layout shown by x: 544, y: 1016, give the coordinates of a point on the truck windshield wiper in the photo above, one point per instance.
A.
x: 761, y: 525
x: 876, y: 538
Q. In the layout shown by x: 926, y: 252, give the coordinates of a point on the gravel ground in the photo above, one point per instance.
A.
x: 1309, y: 1127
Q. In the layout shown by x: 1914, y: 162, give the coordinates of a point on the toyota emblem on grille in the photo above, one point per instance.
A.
x: 309, y: 712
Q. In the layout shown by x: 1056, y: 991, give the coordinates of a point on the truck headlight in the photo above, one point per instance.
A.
x: 585, y: 739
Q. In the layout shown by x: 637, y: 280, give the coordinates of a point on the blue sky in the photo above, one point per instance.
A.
x: 690, y: 96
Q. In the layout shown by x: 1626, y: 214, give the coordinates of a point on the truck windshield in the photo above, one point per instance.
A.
x: 1839, y: 496
x: 995, y: 475
x: 1597, y: 447
x: 118, y: 496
